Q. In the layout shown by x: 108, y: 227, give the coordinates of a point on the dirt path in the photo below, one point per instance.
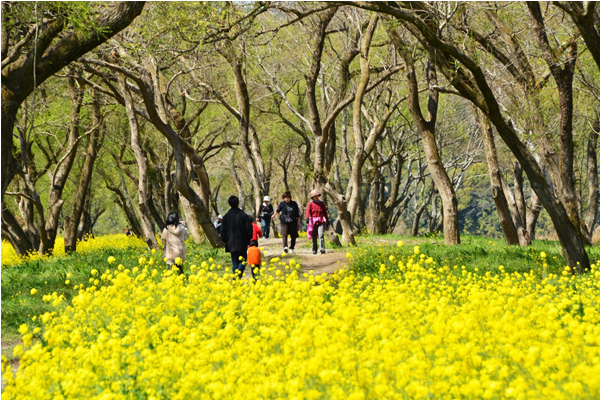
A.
x: 7, y: 348
x: 326, y: 263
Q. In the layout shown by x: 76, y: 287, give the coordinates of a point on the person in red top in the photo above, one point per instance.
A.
x: 316, y: 218
x: 256, y: 232
x: 253, y: 257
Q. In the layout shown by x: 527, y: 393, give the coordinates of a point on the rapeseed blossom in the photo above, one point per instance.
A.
x: 91, y: 244
x: 415, y: 330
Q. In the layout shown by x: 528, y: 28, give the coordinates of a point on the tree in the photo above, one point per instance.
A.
x: 49, y: 44
x: 426, y: 128
x: 468, y: 78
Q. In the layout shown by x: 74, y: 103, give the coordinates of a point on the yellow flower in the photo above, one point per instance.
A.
x: 178, y: 261
x: 67, y: 282
x: 400, y: 243
x: 33, y: 291
x: 416, y: 250
x: 543, y: 254
x: 111, y: 259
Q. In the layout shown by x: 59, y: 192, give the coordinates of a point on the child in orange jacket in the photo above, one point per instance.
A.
x: 253, y: 259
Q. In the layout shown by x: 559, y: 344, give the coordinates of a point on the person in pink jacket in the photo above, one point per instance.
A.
x: 317, y: 218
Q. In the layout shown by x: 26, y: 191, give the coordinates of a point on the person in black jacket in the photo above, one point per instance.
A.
x: 290, y: 220
x: 264, y: 216
x: 236, y: 232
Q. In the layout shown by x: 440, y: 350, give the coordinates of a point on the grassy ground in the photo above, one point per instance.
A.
x: 51, y: 275
x: 474, y: 252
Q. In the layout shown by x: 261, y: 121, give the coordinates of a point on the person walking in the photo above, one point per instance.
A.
x: 218, y: 223
x: 317, y: 218
x: 256, y: 232
x: 173, y: 238
x: 265, y: 212
x: 254, y: 257
x: 290, y: 220
x: 236, y: 232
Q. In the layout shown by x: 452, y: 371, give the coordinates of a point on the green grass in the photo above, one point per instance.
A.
x: 474, y: 252
x: 48, y: 276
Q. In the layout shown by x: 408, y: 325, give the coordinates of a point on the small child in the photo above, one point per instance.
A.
x: 253, y: 258
x: 256, y: 232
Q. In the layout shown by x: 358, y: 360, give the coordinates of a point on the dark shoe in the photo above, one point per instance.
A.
x: 322, y: 251
x: 314, y: 252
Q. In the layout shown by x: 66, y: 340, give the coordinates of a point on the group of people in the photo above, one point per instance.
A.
x: 240, y: 234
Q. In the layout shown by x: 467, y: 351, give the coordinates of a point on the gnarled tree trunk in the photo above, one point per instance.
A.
x: 426, y: 129
x: 94, y: 143
x: 506, y: 222
x: 142, y: 163
x: 592, y: 167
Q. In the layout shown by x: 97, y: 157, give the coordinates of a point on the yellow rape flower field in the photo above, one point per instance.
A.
x: 417, y: 330
x: 106, y: 242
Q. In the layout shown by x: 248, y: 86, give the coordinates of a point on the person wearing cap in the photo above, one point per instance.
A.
x: 265, y: 212
x: 218, y: 223
x: 316, y: 218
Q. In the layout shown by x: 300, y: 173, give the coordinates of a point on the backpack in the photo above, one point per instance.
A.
x: 287, y: 212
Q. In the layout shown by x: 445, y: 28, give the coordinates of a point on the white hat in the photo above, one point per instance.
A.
x: 266, y: 198
x: 220, y: 216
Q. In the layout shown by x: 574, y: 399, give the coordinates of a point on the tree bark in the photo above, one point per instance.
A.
x: 94, y: 143
x: 506, y: 222
x: 426, y: 129
x: 125, y: 202
x: 417, y: 221
x: 17, y: 237
x: 59, y: 179
x: 142, y: 164
x: 354, y: 189
x: 191, y: 220
x: 27, y: 214
x: 533, y: 212
x: 519, y: 194
x: 158, y: 219
x: 592, y: 167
